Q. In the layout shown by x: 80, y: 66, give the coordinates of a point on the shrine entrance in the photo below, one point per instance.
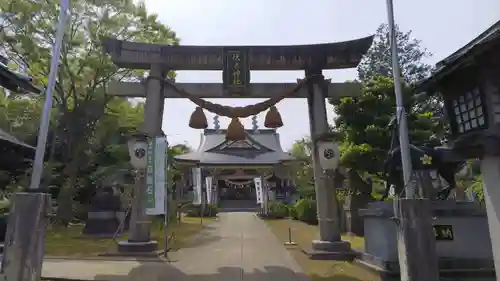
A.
x: 236, y: 62
x: 237, y: 195
x: 235, y: 189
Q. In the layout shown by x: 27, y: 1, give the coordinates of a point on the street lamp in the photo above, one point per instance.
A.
x: 139, y: 235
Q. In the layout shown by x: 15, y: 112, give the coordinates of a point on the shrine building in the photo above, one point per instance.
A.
x: 233, y: 165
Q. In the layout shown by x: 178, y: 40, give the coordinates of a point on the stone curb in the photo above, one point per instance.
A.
x: 68, y: 279
x: 106, y: 258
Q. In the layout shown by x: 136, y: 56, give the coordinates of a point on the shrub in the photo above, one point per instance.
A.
x: 192, y: 210
x: 277, y: 210
x: 293, y: 211
x: 4, y: 206
x: 173, y: 212
x: 306, y: 211
x: 3, y: 226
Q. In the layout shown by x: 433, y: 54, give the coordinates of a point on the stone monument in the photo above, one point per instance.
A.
x: 105, y: 214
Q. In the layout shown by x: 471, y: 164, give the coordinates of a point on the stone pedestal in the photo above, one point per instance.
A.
x: 490, y: 168
x: 137, y: 248
x: 104, y: 216
x: 467, y: 251
x: 24, y: 245
x: 326, y: 250
x: 102, y: 224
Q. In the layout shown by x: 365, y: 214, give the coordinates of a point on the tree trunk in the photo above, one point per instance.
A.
x: 64, y: 212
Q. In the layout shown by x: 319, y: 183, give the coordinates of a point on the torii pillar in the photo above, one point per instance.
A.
x: 329, y: 245
x: 140, y: 225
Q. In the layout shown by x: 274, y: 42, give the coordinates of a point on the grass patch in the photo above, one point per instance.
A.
x: 62, y: 241
x: 319, y: 270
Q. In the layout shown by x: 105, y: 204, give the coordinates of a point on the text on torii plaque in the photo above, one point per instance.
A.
x: 236, y: 73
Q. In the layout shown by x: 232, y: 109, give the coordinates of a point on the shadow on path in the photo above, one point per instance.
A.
x: 164, y: 271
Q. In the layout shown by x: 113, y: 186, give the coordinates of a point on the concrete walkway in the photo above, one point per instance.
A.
x: 239, y: 246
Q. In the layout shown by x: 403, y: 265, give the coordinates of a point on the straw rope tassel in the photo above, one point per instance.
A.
x: 273, y: 118
x: 198, y: 119
x: 235, y: 130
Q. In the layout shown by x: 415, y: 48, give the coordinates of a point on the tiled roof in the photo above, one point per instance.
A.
x: 263, y: 148
x: 9, y: 138
x: 447, y: 65
x: 14, y: 81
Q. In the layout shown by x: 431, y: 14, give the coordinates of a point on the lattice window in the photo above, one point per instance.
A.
x: 468, y: 111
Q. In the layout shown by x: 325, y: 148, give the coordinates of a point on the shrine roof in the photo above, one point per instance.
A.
x: 5, y: 137
x: 259, y: 148
x: 336, y: 55
x: 459, y: 58
x: 15, y: 81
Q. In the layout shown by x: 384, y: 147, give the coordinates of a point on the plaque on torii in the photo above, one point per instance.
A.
x: 236, y: 71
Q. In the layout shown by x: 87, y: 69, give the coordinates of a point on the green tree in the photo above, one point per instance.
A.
x: 363, y: 121
x: 411, y: 55
x: 19, y: 116
x: 378, y: 60
x: 173, y: 171
x: 27, y: 35
x: 302, y: 169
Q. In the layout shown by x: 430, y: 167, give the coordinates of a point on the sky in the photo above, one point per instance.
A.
x: 443, y: 26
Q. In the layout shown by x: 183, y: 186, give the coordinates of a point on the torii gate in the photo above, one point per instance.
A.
x: 236, y: 63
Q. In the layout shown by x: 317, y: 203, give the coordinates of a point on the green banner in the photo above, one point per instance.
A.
x: 150, y: 174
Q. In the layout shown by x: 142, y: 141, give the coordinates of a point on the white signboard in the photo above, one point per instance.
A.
x: 155, y: 176
x: 258, y: 189
x: 208, y: 182
x: 197, y: 186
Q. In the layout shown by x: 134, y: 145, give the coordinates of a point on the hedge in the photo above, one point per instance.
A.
x: 305, y: 210
x: 277, y: 210
x: 192, y: 210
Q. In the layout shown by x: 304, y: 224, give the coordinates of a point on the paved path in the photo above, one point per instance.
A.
x: 237, y: 247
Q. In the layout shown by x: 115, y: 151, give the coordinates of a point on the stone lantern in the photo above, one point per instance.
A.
x: 137, y: 148
x: 469, y: 84
x: 474, y: 117
x: 329, y: 154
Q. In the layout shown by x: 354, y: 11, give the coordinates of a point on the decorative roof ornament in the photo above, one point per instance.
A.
x: 255, y: 123
x: 216, y: 123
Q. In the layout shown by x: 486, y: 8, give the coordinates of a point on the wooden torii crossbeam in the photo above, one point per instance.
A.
x: 216, y: 90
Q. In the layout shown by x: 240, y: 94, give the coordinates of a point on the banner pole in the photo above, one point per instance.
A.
x: 165, y: 203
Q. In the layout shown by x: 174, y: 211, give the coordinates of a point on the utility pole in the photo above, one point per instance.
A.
x: 25, y: 237
x: 416, y: 246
